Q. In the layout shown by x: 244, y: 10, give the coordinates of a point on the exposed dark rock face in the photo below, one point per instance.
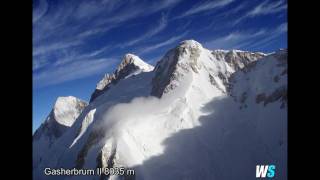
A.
x: 278, y: 94
x: 214, y: 83
x: 163, y: 76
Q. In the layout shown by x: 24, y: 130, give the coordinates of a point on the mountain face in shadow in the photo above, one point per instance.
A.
x: 227, y: 145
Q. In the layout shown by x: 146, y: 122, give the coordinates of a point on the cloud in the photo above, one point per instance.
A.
x: 153, y: 31
x: 39, y: 63
x: 160, y: 5
x: 45, y: 49
x: 71, y: 71
x: 43, y: 54
x: 264, y: 8
x: 65, y: 56
x: 97, y: 52
x: 267, y: 7
x: 233, y: 40
x: 90, y: 9
x: 223, y: 20
x: 272, y: 36
x: 61, y: 33
x: 148, y: 49
x: 135, y: 9
x: 69, y: 56
x: 81, y: 20
x: 40, y: 11
x: 247, y: 39
x: 209, y: 5
x: 91, y: 32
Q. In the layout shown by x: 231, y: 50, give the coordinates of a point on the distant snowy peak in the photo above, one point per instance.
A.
x: 67, y: 109
x: 64, y: 113
x: 129, y: 66
x: 131, y: 59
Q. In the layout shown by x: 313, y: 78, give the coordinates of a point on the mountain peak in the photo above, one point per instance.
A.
x: 130, y: 65
x: 190, y: 43
x: 66, y: 109
x: 135, y: 60
x: 191, y: 57
x: 176, y: 63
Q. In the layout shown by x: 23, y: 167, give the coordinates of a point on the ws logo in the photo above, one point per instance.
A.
x: 265, y: 170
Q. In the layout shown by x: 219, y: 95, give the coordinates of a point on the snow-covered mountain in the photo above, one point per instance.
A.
x: 63, y: 114
x: 199, y: 114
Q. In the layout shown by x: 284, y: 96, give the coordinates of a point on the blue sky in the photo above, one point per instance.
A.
x: 76, y: 42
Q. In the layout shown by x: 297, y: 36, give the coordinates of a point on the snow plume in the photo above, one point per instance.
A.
x: 130, y: 113
x: 146, y: 118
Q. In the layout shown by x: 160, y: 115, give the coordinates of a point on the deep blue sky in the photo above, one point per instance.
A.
x: 75, y: 42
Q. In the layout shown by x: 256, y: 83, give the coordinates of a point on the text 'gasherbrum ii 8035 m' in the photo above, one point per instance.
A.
x: 198, y: 114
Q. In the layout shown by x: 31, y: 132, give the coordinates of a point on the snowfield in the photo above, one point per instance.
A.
x: 198, y: 114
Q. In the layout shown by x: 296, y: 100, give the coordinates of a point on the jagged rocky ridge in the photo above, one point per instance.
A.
x: 235, y: 99
x: 186, y: 57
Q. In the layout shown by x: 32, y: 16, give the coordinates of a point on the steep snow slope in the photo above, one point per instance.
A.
x: 195, y: 116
